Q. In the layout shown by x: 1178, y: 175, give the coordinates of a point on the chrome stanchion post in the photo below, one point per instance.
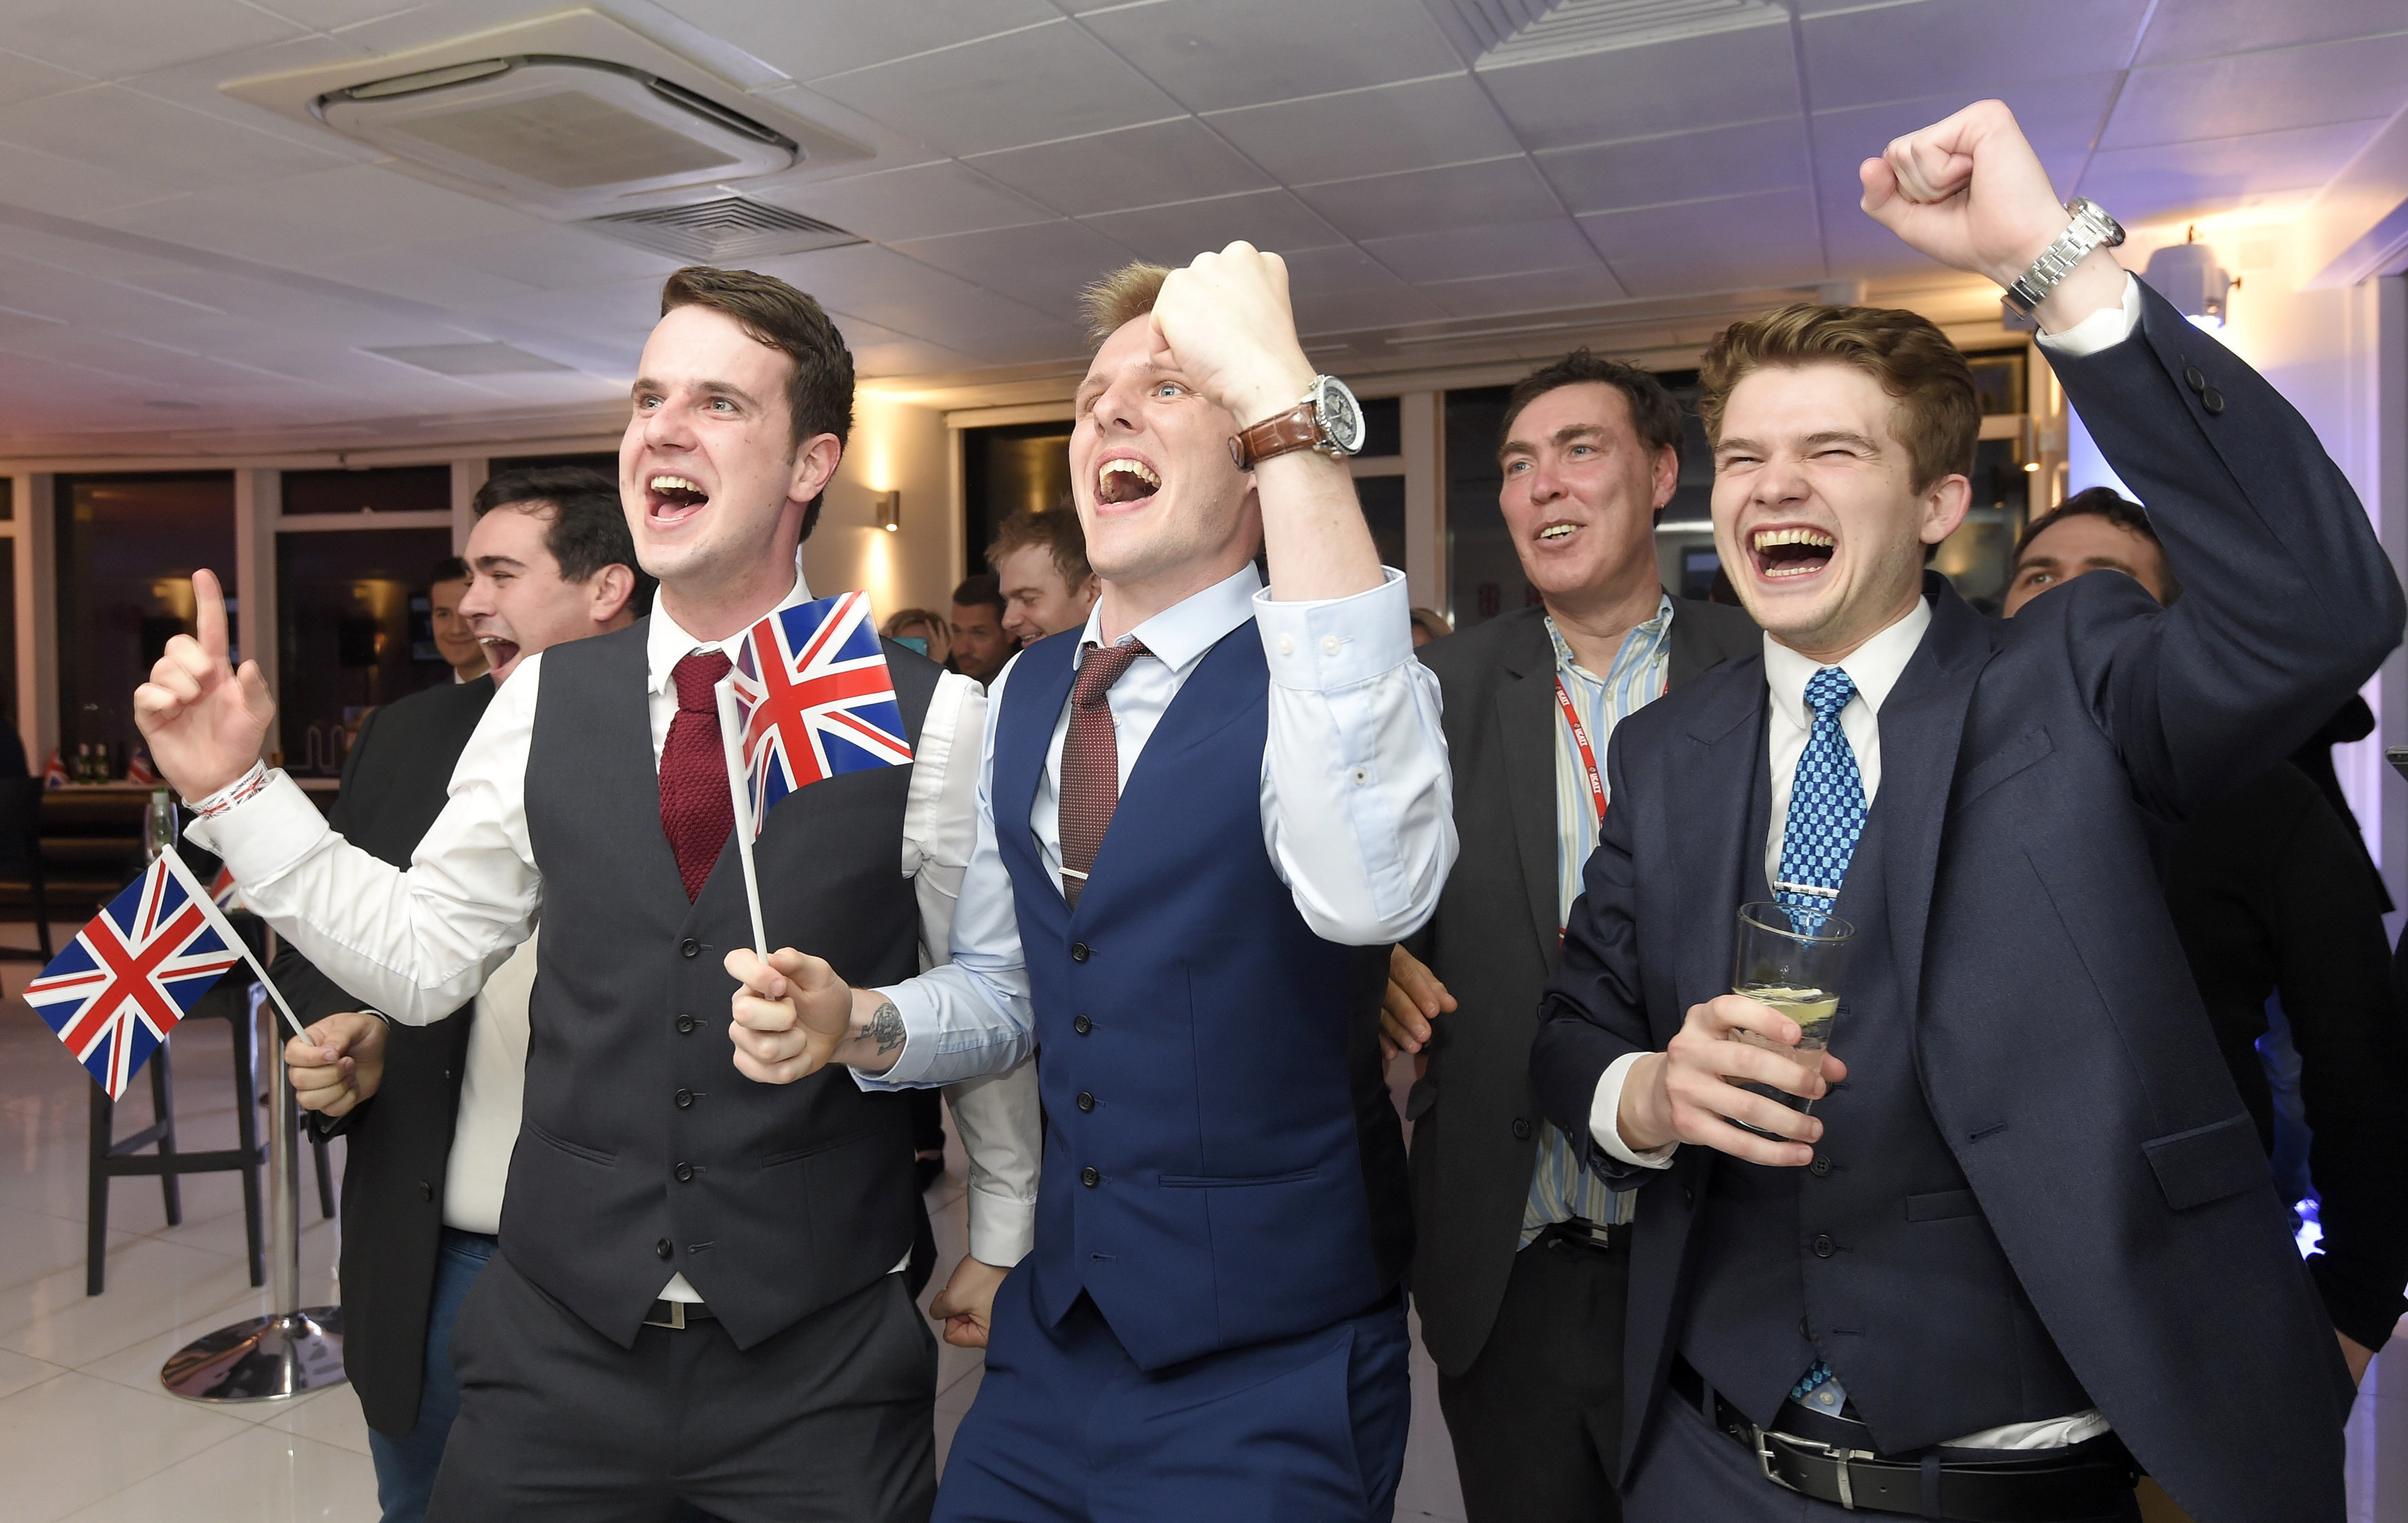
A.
x: 296, y: 1348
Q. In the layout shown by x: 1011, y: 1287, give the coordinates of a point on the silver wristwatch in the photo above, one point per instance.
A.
x: 2091, y: 228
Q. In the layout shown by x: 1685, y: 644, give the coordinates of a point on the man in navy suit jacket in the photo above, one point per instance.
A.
x: 2027, y: 1228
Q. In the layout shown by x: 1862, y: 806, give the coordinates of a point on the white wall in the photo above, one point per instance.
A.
x: 894, y: 447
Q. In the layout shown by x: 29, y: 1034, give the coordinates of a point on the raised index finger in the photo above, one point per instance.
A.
x: 210, y: 616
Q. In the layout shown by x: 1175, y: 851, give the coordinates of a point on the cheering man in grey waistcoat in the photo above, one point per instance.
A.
x: 695, y: 1301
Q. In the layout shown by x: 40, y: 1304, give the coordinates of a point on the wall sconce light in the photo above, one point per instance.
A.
x: 2186, y: 275
x: 890, y: 511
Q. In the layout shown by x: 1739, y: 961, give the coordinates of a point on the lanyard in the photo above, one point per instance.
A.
x: 1587, y: 756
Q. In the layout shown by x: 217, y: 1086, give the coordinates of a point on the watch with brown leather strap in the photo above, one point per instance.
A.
x: 1328, y: 419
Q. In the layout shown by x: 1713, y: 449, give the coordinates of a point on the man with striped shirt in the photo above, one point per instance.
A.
x: 1520, y: 1254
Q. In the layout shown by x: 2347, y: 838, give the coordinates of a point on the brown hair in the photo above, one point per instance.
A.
x: 1938, y: 418
x: 775, y: 314
x: 2116, y: 508
x: 1127, y: 293
x: 1653, y: 414
x: 980, y: 592
x: 1057, y: 530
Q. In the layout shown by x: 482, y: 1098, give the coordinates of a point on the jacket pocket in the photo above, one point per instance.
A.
x: 2208, y: 1163
x: 1940, y: 1205
x: 2025, y: 750
x: 1206, y: 1181
x: 591, y: 1154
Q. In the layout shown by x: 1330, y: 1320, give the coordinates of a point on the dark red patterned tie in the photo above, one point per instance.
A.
x: 1091, y: 762
x: 698, y: 814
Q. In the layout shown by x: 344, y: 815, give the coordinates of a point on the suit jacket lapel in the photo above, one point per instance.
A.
x: 1921, y: 726
x: 1721, y: 798
x: 1526, y: 720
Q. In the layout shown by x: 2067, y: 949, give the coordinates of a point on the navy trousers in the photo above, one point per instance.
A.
x: 1068, y: 1429
x: 406, y: 1466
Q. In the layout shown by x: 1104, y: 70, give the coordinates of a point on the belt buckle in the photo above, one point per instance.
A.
x: 1837, y: 1454
x: 677, y: 1318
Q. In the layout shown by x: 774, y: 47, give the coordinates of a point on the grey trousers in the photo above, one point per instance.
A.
x: 831, y: 1419
x: 1688, y: 1472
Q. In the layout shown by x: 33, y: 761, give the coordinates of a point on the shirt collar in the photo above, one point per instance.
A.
x: 1188, y: 627
x: 665, y: 644
x: 1874, y: 667
x: 1651, y: 630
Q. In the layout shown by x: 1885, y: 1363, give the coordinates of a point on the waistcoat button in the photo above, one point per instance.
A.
x: 663, y: 1248
x: 689, y: 947
x: 426, y: 1190
x: 684, y: 1098
x: 1077, y: 951
x: 1824, y: 1246
x: 1082, y: 1025
x: 1089, y: 1177
x: 1521, y: 1129
x: 1086, y: 1100
x: 1820, y: 1167
x: 685, y: 1024
x: 684, y: 1172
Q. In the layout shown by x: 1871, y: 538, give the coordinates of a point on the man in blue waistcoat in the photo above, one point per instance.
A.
x: 1202, y: 817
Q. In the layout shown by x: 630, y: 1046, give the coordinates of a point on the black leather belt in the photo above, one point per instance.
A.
x: 676, y: 1315
x: 2092, y: 1479
x: 1585, y: 1233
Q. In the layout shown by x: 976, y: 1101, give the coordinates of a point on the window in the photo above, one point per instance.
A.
x: 352, y: 633
x: 127, y: 548
x: 1006, y: 468
x: 604, y: 460
x: 401, y: 489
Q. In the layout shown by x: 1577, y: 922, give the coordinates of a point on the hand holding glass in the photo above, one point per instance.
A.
x: 1790, y: 959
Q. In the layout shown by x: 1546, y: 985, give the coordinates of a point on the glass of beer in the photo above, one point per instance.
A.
x: 1791, y: 960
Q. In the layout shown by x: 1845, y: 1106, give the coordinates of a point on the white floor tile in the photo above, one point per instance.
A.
x: 19, y: 1370
x: 154, y: 1286
x: 73, y: 1440
x: 329, y: 1416
x: 261, y: 1476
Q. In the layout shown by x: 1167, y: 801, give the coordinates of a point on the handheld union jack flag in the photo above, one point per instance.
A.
x: 131, y: 976
x: 813, y: 699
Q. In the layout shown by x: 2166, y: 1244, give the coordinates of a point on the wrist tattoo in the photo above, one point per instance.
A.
x: 885, y: 1027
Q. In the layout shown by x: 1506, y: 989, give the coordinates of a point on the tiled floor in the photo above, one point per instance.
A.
x: 87, y: 1433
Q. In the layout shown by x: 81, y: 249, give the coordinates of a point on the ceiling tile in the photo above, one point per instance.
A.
x: 2260, y: 93
x: 1045, y: 265
x: 887, y: 288
x: 1685, y: 85
x: 1370, y: 132
x: 332, y: 14
x: 50, y: 183
x: 919, y: 202
x: 1533, y: 291
x: 1349, y: 311
x: 1023, y: 87
x: 136, y: 136
x: 1486, y: 249
x: 553, y: 257
x: 1963, y: 48
x: 2216, y: 174
x: 2201, y: 28
x: 2057, y: 116
x: 114, y: 39
x: 361, y: 207
x: 23, y: 79
x: 908, y: 357
x: 1321, y: 272
x: 1212, y: 54
x: 1681, y: 274
x: 1179, y: 160
x: 1767, y: 219
x: 813, y: 41
x: 1175, y: 235
x: 1721, y: 160
x: 1389, y: 205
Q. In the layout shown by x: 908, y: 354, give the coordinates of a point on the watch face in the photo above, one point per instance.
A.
x: 1342, y: 416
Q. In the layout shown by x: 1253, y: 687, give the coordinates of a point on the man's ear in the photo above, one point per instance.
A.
x: 609, y: 590
x: 1945, y: 503
x: 1667, y: 476
x: 815, y: 466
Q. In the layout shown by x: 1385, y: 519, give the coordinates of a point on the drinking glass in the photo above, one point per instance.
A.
x: 158, y: 824
x: 1791, y: 960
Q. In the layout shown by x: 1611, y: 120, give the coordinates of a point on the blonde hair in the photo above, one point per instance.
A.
x: 1127, y: 293
x: 1938, y: 418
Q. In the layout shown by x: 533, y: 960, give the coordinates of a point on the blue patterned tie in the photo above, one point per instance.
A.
x: 1826, y: 815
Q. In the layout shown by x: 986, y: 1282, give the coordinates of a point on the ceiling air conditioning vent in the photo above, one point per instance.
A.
x: 716, y: 231
x: 1512, y: 32
x: 551, y: 129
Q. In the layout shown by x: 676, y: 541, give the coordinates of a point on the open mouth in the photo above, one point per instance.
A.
x: 1555, y: 533
x: 672, y: 499
x: 1784, y: 553
x: 499, y: 652
x: 1124, y: 479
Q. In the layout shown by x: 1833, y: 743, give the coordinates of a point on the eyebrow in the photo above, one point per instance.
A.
x: 709, y: 387
x: 500, y: 563
x: 1566, y: 434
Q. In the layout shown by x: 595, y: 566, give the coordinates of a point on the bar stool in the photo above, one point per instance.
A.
x: 21, y: 862
x: 109, y: 1156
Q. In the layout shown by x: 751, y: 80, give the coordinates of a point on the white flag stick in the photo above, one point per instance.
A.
x: 741, y: 791
x: 225, y: 928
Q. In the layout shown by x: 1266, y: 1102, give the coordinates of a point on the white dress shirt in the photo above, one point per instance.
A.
x: 1356, y: 800
x: 1874, y: 667
x: 417, y: 944
x: 493, y: 1096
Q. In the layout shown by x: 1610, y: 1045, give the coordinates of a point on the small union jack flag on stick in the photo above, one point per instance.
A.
x: 132, y: 976
x: 809, y: 698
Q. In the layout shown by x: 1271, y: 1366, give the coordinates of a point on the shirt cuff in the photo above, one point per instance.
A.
x: 262, y: 832
x: 2101, y: 330
x: 911, y: 1066
x: 1336, y: 643
x: 1002, y: 1229
x: 1606, y: 1108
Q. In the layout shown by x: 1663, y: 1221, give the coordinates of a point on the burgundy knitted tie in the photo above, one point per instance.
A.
x: 698, y: 814
x: 1091, y: 762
